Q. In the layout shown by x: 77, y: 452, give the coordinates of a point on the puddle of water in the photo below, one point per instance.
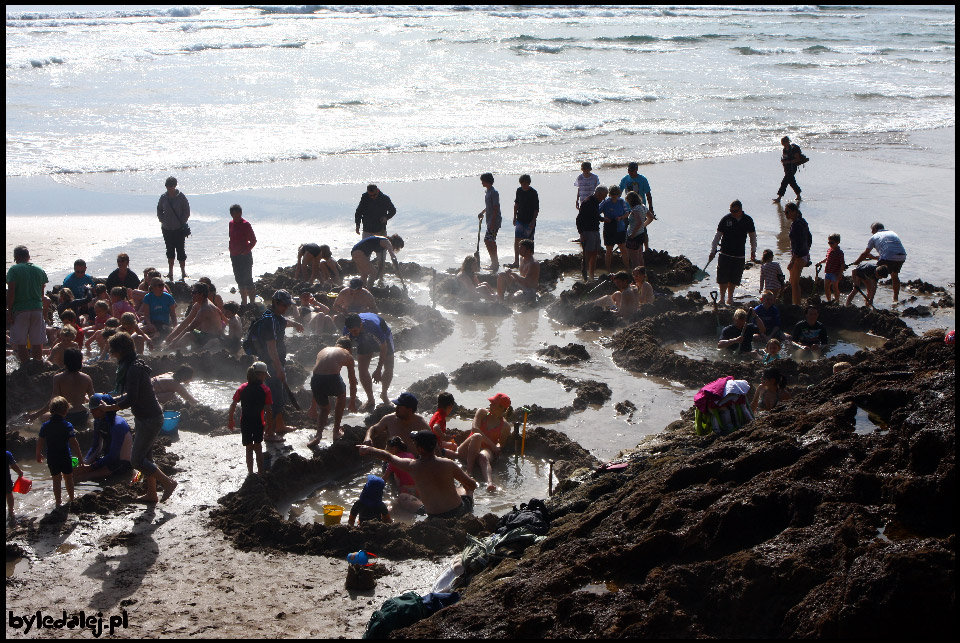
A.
x: 547, y: 393
x: 518, y: 479
x: 40, y: 499
x: 867, y: 423
x: 600, y: 587
x: 843, y: 342
x: 17, y: 566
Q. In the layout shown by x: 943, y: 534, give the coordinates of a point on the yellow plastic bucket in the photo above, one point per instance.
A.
x: 332, y: 514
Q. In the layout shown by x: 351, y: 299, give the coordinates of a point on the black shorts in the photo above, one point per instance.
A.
x: 614, y: 237
x: 367, y: 344
x: 894, y: 266
x: 78, y: 418
x: 635, y: 243
x: 243, y: 270
x: 251, y: 432
x: 175, y: 241
x: 729, y: 269
x: 59, y: 466
x: 324, y: 387
x: 466, y: 507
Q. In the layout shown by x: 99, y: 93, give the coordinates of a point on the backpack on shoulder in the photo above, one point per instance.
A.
x: 799, y: 157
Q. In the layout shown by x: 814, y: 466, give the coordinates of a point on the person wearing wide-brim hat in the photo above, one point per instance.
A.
x: 490, y: 431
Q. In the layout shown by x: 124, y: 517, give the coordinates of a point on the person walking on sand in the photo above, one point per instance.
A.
x: 800, y: 240
x: 789, y: 159
x: 526, y: 208
x: 435, y: 477
x: 173, y: 211
x: 636, y: 182
x: 25, y: 285
x: 326, y: 382
x: 891, y: 251
x: 372, y: 335
x: 242, y: 241
x: 58, y: 440
x: 732, y: 235
x: 373, y: 212
x: 491, y: 209
x: 136, y: 393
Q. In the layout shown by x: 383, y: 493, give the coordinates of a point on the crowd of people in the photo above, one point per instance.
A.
x: 130, y: 313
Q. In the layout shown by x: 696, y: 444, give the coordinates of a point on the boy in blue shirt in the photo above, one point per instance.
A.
x: 59, y: 440
x: 770, y: 316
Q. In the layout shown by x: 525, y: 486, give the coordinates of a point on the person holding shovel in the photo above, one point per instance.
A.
x: 732, y: 235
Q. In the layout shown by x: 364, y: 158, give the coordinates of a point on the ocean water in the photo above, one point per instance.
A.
x: 279, y: 96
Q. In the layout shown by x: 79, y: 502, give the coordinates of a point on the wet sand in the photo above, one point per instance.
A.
x: 185, y: 564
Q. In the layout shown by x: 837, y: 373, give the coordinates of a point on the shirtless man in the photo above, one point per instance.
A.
x: 526, y: 280
x: 435, y: 477
x: 401, y: 422
x: 74, y: 385
x: 168, y: 386
x: 326, y: 382
x: 355, y: 299
x: 626, y: 300
x: 202, y: 324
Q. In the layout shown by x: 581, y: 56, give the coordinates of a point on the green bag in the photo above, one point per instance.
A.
x: 399, y: 611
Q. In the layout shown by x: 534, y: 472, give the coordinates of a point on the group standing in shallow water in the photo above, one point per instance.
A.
x: 144, y: 311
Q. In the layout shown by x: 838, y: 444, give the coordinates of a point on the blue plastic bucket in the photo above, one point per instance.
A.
x: 170, y: 421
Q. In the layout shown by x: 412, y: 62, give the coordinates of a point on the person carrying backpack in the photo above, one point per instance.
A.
x: 791, y: 159
x: 266, y: 340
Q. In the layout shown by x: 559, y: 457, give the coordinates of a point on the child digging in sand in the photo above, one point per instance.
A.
x: 253, y: 397
x: 370, y: 505
x: 59, y: 440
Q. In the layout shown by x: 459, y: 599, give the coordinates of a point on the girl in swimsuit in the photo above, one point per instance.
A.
x: 771, y: 392
x: 362, y: 251
x: 490, y: 429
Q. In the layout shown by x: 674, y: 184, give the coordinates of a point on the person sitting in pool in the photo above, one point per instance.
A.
x: 626, y: 300
x: 438, y: 422
x: 406, y: 488
x: 354, y: 299
x: 435, y: 477
x: 233, y: 334
x: 168, y: 386
x: 402, y: 422
x: 769, y: 315
x: 809, y: 333
x: 738, y: 337
x: 867, y: 275
x: 129, y: 325
x: 73, y: 384
x: 643, y: 286
x: 771, y: 392
x: 66, y: 339
x: 212, y: 295
x: 112, y: 443
x: 771, y: 352
x: 370, y: 505
x: 363, y: 250
x: 468, y: 284
x: 492, y: 429
x: 202, y: 324
x: 524, y: 282
x: 314, y: 315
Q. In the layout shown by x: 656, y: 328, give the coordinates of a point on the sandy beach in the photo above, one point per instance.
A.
x: 177, y: 575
